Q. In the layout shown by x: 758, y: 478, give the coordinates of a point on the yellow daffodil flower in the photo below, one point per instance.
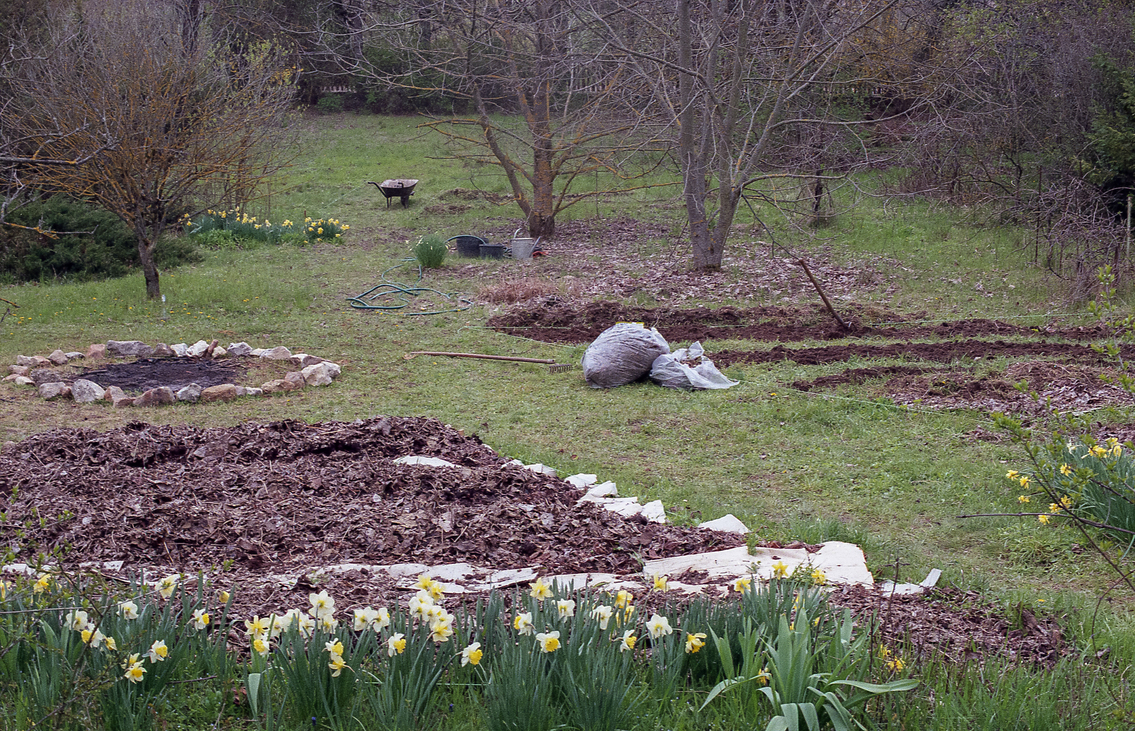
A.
x: 623, y: 599
x: 363, y: 618
x: 420, y: 605
x: 523, y: 623
x: 200, y: 619
x: 548, y: 641
x: 780, y: 570
x: 335, y: 647
x: 540, y: 590
x: 603, y: 614
x: 628, y: 641
x: 261, y: 646
x: 742, y: 584
x: 396, y: 645
x: 695, y: 642
x: 337, y: 664
x: 658, y: 626
x: 77, y: 620
x: 257, y: 627
x: 441, y: 631
x: 158, y: 651
x: 471, y: 655
x: 42, y: 584
x: 661, y: 583
x: 167, y: 586
x: 322, y: 604
x: 135, y: 673
x: 819, y: 578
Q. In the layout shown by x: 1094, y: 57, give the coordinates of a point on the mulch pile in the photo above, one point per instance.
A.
x: 285, y: 494
x: 954, y: 625
x: 240, y: 504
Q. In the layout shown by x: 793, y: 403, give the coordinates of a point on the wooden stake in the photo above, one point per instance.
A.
x: 824, y: 297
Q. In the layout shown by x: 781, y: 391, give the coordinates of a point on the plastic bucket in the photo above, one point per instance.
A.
x: 523, y: 248
x: 493, y: 251
x: 468, y: 245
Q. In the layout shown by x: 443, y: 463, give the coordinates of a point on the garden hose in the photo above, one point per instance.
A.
x: 403, y: 293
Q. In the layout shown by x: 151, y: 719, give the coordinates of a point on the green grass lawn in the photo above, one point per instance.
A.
x: 792, y: 465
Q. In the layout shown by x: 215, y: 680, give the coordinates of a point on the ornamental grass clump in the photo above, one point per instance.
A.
x: 430, y: 251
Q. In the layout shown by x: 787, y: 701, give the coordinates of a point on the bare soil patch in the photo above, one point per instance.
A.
x: 143, y: 374
x: 1071, y: 373
x: 555, y: 320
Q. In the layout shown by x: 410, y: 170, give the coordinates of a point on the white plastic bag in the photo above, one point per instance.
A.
x: 622, y: 354
x: 671, y: 370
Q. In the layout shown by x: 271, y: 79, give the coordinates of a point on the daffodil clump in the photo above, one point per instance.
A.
x: 221, y: 227
x: 1081, y: 478
x: 318, y: 230
x: 110, y: 658
x: 542, y: 658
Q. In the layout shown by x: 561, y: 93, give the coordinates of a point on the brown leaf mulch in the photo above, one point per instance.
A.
x: 266, y: 498
x: 958, y: 626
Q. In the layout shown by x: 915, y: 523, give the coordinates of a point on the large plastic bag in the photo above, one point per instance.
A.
x: 672, y: 371
x: 622, y: 354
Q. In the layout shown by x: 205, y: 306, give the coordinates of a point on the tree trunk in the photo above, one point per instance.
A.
x: 149, y: 269
x: 706, y: 252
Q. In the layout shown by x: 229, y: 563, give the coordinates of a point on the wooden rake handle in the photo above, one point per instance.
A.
x: 547, y: 361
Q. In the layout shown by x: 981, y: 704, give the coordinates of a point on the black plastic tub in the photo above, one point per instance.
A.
x: 493, y: 251
x: 468, y: 245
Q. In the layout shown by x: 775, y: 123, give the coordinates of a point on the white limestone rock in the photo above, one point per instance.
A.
x: 239, y: 349
x: 582, y: 480
x: 425, y: 461
x: 85, y: 392
x: 727, y: 523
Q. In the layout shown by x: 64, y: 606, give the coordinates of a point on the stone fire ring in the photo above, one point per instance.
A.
x: 35, y: 370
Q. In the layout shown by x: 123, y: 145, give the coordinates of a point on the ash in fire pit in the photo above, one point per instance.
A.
x: 142, y: 375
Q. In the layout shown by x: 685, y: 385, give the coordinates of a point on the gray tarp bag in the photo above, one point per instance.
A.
x: 672, y: 371
x: 622, y: 354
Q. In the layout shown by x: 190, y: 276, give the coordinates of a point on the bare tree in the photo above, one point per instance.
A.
x: 756, y: 90
x: 166, y: 122
x: 578, y: 110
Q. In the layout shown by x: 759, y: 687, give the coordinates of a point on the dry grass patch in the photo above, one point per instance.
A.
x: 520, y: 289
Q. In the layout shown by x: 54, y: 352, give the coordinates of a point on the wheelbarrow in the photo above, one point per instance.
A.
x: 398, y: 188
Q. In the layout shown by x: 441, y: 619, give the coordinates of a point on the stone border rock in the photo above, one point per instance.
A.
x: 36, y: 371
